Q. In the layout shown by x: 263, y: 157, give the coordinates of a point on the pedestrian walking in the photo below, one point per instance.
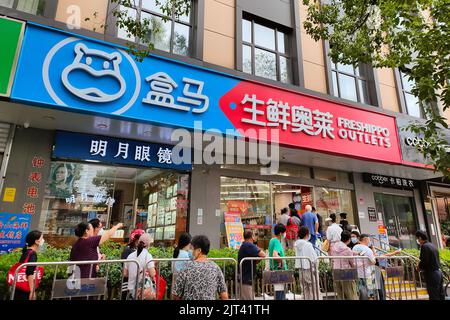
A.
x: 33, y: 241
x: 200, y: 279
x: 431, y: 266
x: 304, y: 248
x: 248, y: 250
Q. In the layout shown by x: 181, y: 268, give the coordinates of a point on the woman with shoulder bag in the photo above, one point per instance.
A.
x: 147, y: 271
x: 34, y: 241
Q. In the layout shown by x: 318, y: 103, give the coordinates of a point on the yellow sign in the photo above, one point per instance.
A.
x: 235, y: 234
x: 10, y: 195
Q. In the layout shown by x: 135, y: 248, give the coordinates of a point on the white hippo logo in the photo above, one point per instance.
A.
x: 109, y: 69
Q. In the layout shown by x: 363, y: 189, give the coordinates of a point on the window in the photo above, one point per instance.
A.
x: 265, y: 51
x: 331, y: 175
x: 412, y: 104
x: 155, y: 200
x: 35, y: 7
x: 172, y: 36
x: 328, y: 201
x: 350, y: 82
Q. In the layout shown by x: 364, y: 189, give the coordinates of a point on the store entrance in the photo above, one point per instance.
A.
x: 400, y: 219
x: 443, y: 213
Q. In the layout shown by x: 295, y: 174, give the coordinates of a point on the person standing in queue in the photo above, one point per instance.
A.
x: 248, y: 250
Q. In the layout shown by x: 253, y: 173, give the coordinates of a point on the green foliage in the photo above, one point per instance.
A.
x: 114, y: 250
x: 410, y: 35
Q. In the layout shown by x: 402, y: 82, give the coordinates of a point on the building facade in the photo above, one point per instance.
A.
x: 86, y: 130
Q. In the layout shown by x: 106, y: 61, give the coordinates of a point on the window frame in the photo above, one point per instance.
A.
x: 278, y: 54
x: 373, y: 89
x: 193, y: 24
x: 402, y: 99
x: 49, y: 13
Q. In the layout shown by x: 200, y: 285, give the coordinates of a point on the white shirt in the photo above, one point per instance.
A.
x: 334, y: 233
x: 145, y: 261
x: 304, y: 248
x: 364, y: 251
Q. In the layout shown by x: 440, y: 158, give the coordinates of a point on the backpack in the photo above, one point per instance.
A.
x: 22, y: 281
x: 291, y: 230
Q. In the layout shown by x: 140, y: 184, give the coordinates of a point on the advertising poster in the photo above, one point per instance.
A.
x: 232, y: 217
x: 13, y: 230
x: 235, y: 234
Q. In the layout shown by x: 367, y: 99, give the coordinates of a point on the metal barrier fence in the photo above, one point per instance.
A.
x: 397, y: 277
x: 74, y: 286
x: 298, y: 282
x: 228, y: 267
x: 350, y: 277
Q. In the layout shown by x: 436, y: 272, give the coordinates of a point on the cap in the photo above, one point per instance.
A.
x: 135, y: 233
x: 146, y: 239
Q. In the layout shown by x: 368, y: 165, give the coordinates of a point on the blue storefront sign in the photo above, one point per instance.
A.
x: 75, y: 73
x: 13, y: 230
x: 77, y: 146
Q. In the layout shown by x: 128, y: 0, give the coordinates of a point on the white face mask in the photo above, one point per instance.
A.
x: 41, y: 243
x: 284, y: 235
x: 418, y: 242
x: 354, y: 240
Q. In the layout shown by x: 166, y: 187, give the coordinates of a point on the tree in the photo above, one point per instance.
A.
x: 408, y: 34
x: 149, y: 31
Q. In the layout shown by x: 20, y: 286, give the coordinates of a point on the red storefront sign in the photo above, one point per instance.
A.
x: 311, y: 123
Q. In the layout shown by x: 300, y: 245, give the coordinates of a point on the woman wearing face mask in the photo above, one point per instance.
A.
x: 182, y: 251
x: 34, y: 241
x: 354, y: 240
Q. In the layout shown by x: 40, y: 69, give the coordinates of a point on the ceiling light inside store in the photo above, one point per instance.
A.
x: 325, y: 190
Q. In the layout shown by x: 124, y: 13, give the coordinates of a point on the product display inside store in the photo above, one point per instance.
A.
x: 151, y: 199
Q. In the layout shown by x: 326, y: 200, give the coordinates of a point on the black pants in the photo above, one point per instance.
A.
x: 21, y: 295
x: 435, y: 285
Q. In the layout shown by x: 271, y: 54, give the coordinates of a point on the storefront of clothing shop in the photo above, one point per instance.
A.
x: 99, y: 145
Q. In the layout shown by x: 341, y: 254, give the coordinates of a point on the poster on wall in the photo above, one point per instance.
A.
x: 13, y: 230
x: 235, y: 234
x: 237, y: 206
x: 372, y: 214
x: 232, y: 217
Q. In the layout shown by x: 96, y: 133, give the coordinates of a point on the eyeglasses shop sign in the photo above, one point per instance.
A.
x: 389, y: 182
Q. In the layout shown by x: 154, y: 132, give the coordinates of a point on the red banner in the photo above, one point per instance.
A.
x: 311, y: 123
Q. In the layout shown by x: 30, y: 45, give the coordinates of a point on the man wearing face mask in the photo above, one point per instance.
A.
x: 366, y: 282
x: 276, y: 250
x: 248, y: 250
x: 430, y: 265
x: 304, y: 248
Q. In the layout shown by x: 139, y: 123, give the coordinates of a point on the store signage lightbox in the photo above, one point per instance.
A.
x: 75, y: 73
x: 12, y: 33
x: 389, y: 182
x: 71, y: 145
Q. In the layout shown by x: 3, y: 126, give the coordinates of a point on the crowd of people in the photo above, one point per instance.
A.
x: 195, y: 277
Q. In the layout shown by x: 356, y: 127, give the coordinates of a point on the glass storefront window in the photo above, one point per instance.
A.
x: 331, y: 175
x: 328, y: 201
x: 151, y: 199
x: 251, y: 200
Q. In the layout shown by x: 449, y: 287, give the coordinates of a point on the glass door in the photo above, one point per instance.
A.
x: 400, y: 219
